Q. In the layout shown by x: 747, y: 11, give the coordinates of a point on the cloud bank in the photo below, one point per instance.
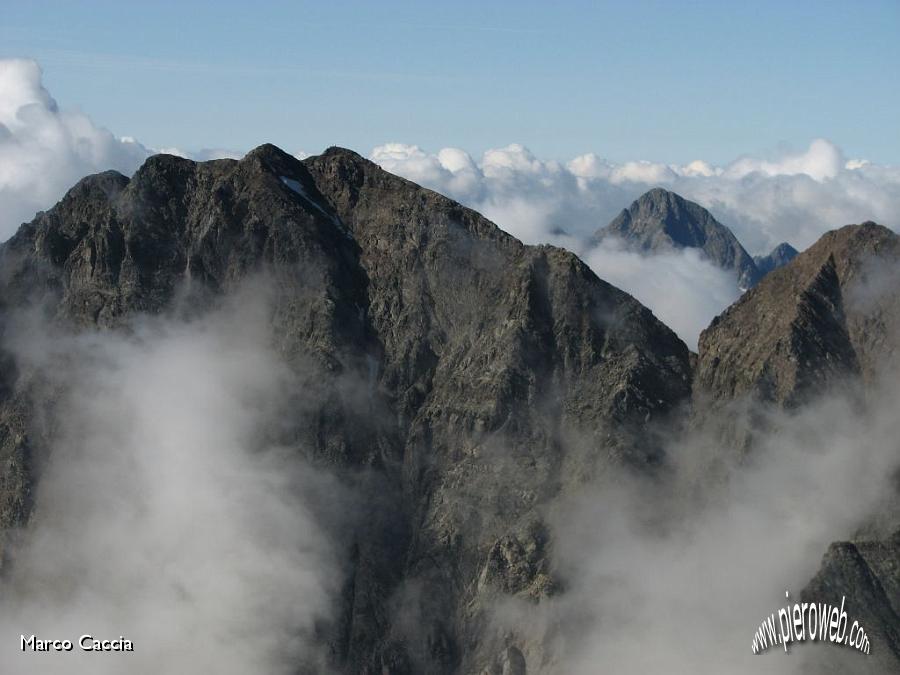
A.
x: 795, y: 197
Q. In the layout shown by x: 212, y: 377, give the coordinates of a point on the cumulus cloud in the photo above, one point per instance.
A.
x: 821, y: 161
x: 44, y: 149
x: 169, y: 512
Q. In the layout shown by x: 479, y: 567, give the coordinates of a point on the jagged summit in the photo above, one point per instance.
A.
x: 661, y: 220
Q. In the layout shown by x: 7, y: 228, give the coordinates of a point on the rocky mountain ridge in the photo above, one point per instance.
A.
x: 490, y: 358
x: 500, y: 377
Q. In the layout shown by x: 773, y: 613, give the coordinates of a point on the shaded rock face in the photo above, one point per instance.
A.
x: 497, y: 375
x: 780, y: 256
x: 660, y: 220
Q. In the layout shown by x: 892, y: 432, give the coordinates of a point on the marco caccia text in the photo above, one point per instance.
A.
x: 87, y: 643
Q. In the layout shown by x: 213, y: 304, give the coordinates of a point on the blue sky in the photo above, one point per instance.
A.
x: 667, y: 81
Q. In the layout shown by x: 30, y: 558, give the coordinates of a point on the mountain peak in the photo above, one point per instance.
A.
x: 108, y: 183
x: 661, y: 220
x: 274, y: 159
x: 659, y: 194
x: 417, y: 327
x: 338, y: 151
x: 781, y: 255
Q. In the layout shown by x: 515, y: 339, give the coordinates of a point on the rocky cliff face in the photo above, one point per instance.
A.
x: 660, y: 220
x: 498, y: 373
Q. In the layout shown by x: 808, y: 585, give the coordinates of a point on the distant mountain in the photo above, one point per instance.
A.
x: 781, y: 255
x: 660, y: 220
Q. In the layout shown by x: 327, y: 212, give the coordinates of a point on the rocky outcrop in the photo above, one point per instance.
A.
x: 499, y: 373
x: 660, y: 220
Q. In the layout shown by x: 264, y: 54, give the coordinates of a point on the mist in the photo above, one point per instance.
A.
x: 167, y: 510
x: 683, y: 289
x: 674, y: 575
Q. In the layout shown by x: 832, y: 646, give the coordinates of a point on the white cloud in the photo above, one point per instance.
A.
x: 700, y: 168
x: 820, y: 161
x: 515, y: 159
x: 642, y: 172
x: 44, y: 150
x: 589, y: 166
